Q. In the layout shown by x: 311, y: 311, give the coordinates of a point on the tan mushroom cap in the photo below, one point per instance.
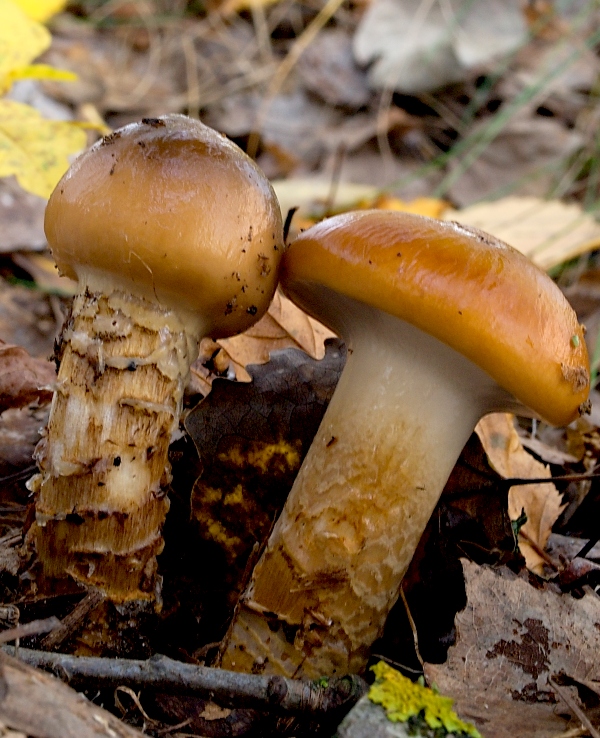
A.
x: 476, y: 294
x: 175, y: 211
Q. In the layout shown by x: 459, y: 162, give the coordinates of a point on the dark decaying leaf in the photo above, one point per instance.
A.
x: 251, y: 439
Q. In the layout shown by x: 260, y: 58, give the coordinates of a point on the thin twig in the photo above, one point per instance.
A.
x: 336, y: 176
x: 262, y: 32
x: 15, y: 477
x: 231, y: 689
x: 136, y: 701
x: 573, y: 733
x: 413, y: 33
x: 587, y: 547
x: 413, y: 626
x: 539, y: 550
x: 171, y: 728
x: 592, y: 592
x: 574, y: 707
x: 397, y: 664
x: 201, y: 654
x: 191, y: 72
x: 71, y: 622
x: 35, y: 627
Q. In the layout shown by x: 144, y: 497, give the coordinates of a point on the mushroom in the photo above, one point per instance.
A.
x: 173, y: 234
x: 443, y: 324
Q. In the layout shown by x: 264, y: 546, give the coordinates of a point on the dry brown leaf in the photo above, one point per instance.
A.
x: 112, y: 74
x: 308, y: 333
x: 568, y: 69
x: 296, y: 122
x: 199, y: 382
x: 6, y: 732
x: 511, y: 638
x: 283, y: 326
x: 549, y: 232
x: 541, y: 502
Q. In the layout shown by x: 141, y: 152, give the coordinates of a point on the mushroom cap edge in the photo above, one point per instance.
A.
x: 471, y: 291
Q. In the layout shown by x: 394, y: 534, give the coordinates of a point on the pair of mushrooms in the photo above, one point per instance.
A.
x: 443, y: 324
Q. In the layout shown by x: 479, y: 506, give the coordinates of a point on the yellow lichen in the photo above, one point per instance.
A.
x: 403, y: 700
x: 236, y: 497
x: 206, y: 494
x: 261, y: 455
x: 218, y: 533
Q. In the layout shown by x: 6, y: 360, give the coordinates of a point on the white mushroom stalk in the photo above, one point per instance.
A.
x: 173, y: 233
x: 404, y: 408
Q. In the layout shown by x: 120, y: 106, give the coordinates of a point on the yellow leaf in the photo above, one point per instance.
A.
x: 428, y: 206
x: 312, y: 198
x: 39, y: 71
x: 41, y: 10
x: 21, y: 39
x: 92, y: 120
x: 311, y: 195
x: 34, y: 149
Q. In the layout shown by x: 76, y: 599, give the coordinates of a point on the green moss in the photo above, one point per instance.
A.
x: 409, y: 702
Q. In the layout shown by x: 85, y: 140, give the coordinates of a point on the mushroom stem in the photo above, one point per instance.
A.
x: 104, y: 460
x: 404, y: 408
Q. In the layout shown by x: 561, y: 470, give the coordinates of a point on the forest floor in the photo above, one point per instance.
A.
x: 486, y: 113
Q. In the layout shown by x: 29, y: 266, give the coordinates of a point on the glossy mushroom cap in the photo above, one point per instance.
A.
x: 173, y: 211
x: 467, y: 289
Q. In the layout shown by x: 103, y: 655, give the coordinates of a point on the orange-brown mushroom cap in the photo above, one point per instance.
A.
x: 471, y: 291
x: 172, y: 210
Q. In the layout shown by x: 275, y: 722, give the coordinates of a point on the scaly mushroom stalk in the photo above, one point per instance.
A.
x: 104, y: 458
x: 173, y: 234
x: 404, y: 408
